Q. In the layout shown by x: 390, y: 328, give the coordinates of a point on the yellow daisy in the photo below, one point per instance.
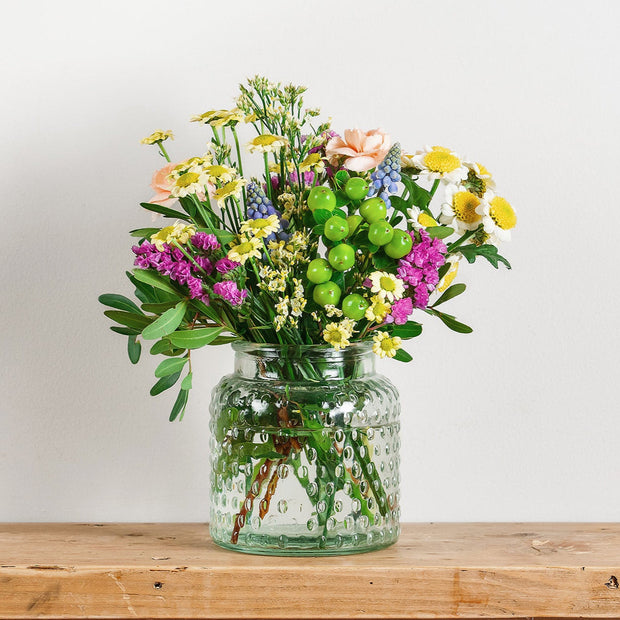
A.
x: 338, y: 334
x: 244, y: 249
x: 179, y: 232
x: 498, y: 217
x: 266, y: 143
x: 190, y: 181
x: 312, y: 162
x: 219, y: 118
x: 387, y: 285
x: 217, y: 172
x: 378, y: 309
x: 439, y: 162
x: 460, y: 209
x: 232, y: 188
x: 158, y: 136
x: 261, y: 227
x: 384, y: 346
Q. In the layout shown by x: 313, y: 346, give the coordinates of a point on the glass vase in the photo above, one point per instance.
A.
x: 304, y: 452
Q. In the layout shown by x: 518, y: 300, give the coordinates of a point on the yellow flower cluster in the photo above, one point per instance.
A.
x: 179, y: 232
x: 293, y: 251
x: 338, y: 334
x: 219, y: 118
x: 273, y: 280
x: 189, y: 176
x: 289, y: 309
x: 378, y: 309
x: 158, y: 136
x: 266, y: 143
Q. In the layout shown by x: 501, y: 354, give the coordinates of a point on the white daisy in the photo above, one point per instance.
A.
x: 459, y: 209
x: 420, y: 219
x: 387, y: 285
x: 439, y: 162
x: 498, y: 217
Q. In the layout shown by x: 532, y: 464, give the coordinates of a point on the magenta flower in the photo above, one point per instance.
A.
x: 230, y: 292
x: 401, y: 310
x: 205, y: 241
x: 224, y: 265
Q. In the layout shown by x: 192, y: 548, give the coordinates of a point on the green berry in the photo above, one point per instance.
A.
x: 319, y: 271
x: 341, y: 257
x: 354, y: 306
x: 380, y: 233
x: 336, y: 228
x: 354, y: 221
x: 356, y: 188
x: 373, y: 210
x: 321, y: 197
x: 326, y: 293
x: 400, y: 245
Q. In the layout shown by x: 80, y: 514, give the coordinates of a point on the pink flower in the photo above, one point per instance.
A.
x: 401, y: 310
x: 361, y: 150
x: 162, y: 186
x: 229, y: 291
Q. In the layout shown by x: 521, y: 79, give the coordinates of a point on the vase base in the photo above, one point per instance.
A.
x: 301, y: 546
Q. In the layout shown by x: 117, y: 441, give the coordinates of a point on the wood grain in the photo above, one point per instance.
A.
x: 444, y: 570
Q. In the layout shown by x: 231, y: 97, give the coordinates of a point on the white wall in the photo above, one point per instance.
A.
x: 518, y: 421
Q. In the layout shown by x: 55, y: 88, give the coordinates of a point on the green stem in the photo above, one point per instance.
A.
x: 162, y: 148
x: 203, y: 214
x: 460, y: 240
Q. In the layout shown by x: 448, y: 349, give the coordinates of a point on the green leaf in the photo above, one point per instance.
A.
x: 165, y: 347
x: 321, y: 215
x: 165, y: 211
x: 340, y: 178
x: 120, y: 302
x: 159, y: 308
x: 194, y: 338
x: 340, y: 213
x: 137, y: 321
x: 126, y: 331
x: 155, y: 280
x: 450, y: 293
x: 382, y: 261
x: 224, y: 236
x: 338, y: 279
x: 143, y: 233
x: 134, y: 348
x: 453, y: 324
x: 179, y: 405
x: 402, y: 356
x: 410, y: 329
x: 144, y: 292
x: 318, y: 230
x: 166, y: 323
x: 396, y: 219
x: 419, y: 196
x: 443, y: 270
x: 170, y: 366
x: 439, y: 232
x: 165, y: 383
x: 226, y: 339
x: 470, y: 252
x: 400, y: 204
x: 186, y: 384
x: 342, y: 200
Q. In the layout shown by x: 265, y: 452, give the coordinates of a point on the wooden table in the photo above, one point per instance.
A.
x: 173, y: 570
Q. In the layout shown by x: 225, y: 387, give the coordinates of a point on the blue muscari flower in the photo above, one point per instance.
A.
x: 385, y: 178
x: 260, y: 207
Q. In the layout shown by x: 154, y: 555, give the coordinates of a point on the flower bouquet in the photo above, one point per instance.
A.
x: 333, y: 251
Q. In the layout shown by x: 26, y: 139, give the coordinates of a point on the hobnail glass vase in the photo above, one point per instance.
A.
x: 304, y: 452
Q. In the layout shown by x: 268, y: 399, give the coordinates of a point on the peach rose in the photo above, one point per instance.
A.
x: 162, y: 187
x: 362, y: 150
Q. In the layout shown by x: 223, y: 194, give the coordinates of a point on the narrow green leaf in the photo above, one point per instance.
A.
x: 165, y: 211
x: 194, y: 338
x: 159, y: 308
x: 126, y: 331
x: 144, y: 292
x: 410, y: 329
x: 137, y: 321
x: 166, y: 323
x: 170, y: 366
x: 225, y: 340
x: 120, y: 302
x: 165, y: 383
x: 165, y: 347
x: 439, y: 232
x: 186, y: 384
x: 402, y: 356
x: 155, y: 280
x: 453, y: 324
x: 179, y: 405
x: 143, y: 233
x: 134, y: 348
x: 450, y: 293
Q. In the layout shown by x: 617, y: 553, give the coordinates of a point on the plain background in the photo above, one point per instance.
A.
x: 517, y: 421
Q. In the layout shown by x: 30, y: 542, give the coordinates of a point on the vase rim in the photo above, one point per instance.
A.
x: 324, y: 351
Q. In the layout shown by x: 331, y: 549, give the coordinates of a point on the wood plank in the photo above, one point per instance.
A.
x: 435, y: 570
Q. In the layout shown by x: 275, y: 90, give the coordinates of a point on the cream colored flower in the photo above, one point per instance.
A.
x: 439, y: 162
x: 266, y: 143
x: 384, y: 346
x: 312, y: 162
x: 261, y: 227
x: 179, y: 232
x: 233, y: 188
x: 245, y: 249
x: 387, y: 285
x: 219, y: 118
x: 158, y: 136
x: 192, y: 181
x: 338, y: 334
x: 378, y: 309
x: 218, y: 173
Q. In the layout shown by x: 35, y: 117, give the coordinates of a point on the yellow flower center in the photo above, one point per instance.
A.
x: 259, y: 223
x: 464, y: 205
x: 426, y: 220
x: 441, y: 160
x: 502, y: 213
x: 187, y: 179
x: 216, y: 171
x: 244, y: 248
x: 387, y: 284
x: 387, y: 344
x: 264, y: 140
